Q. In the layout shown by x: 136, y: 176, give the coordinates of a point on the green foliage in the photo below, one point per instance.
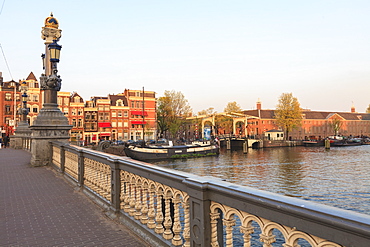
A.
x: 288, y: 113
x: 187, y: 156
x: 172, y: 109
x: 336, y: 124
x: 232, y: 107
x: 209, y: 111
x: 368, y: 109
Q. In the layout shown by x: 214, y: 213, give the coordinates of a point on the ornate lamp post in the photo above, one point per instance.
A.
x: 23, y: 111
x: 50, y: 124
x: 22, y: 134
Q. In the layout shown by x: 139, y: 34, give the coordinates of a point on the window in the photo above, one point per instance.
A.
x: 133, y: 104
x: 66, y: 101
x: 119, y: 102
x: 73, y: 112
x: 80, y: 112
x: 35, y: 109
x: 120, y: 113
x: 114, y: 114
x: 77, y: 99
x: 35, y: 98
x: 7, y: 108
x: 114, y: 124
x: 8, y: 96
x: 125, y: 113
x: 79, y: 123
x: 120, y: 124
x: 74, y: 122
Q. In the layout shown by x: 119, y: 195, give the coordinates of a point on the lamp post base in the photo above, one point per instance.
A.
x: 18, y: 140
x: 50, y: 125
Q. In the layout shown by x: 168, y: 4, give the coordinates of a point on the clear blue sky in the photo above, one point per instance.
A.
x: 214, y: 52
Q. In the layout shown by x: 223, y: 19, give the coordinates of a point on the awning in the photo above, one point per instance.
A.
x: 104, y: 125
x: 104, y: 134
x: 139, y: 113
x: 138, y: 122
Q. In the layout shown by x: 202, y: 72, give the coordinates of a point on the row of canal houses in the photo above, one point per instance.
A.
x: 122, y: 116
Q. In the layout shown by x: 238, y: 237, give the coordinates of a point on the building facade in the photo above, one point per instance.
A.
x: 315, y: 124
x: 130, y: 115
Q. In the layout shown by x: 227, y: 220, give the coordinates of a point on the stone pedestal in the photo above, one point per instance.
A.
x: 50, y: 125
x: 21, y: 134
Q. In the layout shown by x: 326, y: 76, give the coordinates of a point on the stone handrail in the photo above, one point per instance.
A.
x: 167, y: 207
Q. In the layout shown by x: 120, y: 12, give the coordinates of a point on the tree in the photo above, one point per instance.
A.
x: 172, y: 109
x: 288, y: 113
x: 209, y: 111
x: 336, y: 124
x: 368, y: 109
x: 232, y: 107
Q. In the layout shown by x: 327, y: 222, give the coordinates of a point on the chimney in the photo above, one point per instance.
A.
x: 259, y: 105
x: 353, y: 109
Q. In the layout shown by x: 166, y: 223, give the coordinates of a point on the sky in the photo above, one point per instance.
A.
x: 213, y: 52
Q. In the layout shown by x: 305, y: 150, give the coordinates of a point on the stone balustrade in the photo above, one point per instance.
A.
x: 171, y: 208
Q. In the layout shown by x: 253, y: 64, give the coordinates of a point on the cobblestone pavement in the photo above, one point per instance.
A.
x: 40, y: 208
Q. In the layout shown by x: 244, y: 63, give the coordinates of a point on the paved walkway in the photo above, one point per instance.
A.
x: 40, y: 208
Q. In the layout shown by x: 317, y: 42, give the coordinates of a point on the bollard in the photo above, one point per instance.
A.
x: 245, y: 147
x: 327, y: 144
x: 228, y: 144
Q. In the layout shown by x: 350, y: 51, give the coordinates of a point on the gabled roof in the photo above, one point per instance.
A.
x: 74, y: 95
x: 113, y: 99
x: 31, y: 76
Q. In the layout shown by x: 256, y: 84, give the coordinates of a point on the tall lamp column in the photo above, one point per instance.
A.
x: 50, y: 124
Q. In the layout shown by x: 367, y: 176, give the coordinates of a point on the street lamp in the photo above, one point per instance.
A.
x: 24, y: 109
x: 14, y: 85
x: 54, y: 49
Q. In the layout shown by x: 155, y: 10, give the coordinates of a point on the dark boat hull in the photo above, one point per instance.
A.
x: 176, y: 152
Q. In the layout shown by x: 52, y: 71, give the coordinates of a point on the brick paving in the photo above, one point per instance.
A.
x: 39, y: 208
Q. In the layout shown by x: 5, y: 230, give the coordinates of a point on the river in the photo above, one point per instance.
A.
x: 338, y: 177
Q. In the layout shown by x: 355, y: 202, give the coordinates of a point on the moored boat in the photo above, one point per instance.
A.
x: 152, y: 152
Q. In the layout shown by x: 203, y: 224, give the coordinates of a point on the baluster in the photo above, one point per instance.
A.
x: 132, y: 197
x: 229, y: 231
x: 176, y: 240
x: 186, y: 233
x: 167, y: 234
x: 151, y: 212
x: 138, y: 204
x: 214, y: 220
x: 267, y: 240
x: 127, y: 196
x: 247, y: 231
x: 144, y: 206
x: 159, y: 217
x: 123, y: 191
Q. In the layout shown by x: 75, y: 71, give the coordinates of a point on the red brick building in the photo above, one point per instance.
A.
x: 315, y: 124
x: 124, y: 116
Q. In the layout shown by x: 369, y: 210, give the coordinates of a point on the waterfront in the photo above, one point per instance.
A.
x: 337, y: 177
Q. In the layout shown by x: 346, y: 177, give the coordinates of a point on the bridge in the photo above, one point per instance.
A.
x: 161, y: 206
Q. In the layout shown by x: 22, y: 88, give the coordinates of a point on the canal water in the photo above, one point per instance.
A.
x: 338, y: 177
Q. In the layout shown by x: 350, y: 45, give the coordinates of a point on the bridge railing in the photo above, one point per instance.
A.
x: 167, y: 207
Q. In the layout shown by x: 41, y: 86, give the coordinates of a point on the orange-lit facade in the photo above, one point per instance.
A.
x: 315, y: 124
x: 130, y: 115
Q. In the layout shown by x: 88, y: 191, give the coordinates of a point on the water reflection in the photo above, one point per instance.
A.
x: 338, y: 177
